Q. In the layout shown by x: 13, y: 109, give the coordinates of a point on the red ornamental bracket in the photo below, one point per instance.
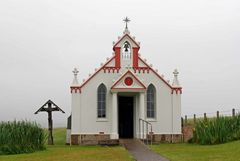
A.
x: 75, y: 89
x: 177, y: 90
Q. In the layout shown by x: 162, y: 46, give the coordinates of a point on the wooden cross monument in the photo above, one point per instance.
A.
x: 49, y: 107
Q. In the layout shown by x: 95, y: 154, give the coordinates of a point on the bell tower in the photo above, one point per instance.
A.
x: 126, y: 49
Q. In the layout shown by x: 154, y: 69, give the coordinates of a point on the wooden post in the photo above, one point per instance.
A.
x: 233, y: 112
x: 217, y: 114
x: 182, y: 122
x: 185, y: 120
x: 205, y: 117
x: 194, y: 118
x: 50, y: 123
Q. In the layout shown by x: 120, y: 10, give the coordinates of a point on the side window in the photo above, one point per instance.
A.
x: 151, y: 101
x: 101, y: 101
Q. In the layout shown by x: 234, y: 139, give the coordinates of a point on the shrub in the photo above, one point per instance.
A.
x: 217, y: 130
x: 21, y: 137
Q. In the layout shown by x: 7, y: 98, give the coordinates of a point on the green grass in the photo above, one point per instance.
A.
x: 74, y: 153
x: 59, y: 136
x: 62, y: 152
x: 18, y: 137
x: 174, y: 152
x: 216, y: 130
x: 194, y: 152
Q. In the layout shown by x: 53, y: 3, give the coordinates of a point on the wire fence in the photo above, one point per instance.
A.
x: 191, y: 119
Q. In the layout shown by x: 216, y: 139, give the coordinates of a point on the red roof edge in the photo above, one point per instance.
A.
x: 157, y: 74
x: 96, y: 72
x: 129, y: 38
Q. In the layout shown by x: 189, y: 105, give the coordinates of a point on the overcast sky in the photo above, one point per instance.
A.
x: 42, y: 41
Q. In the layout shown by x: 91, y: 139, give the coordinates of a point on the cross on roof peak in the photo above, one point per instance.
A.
x: 126, y: 20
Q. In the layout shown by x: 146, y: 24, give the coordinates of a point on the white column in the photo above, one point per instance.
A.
x: 114, y: 134
x: 141, y: 113
x: 76, y: 113
x: 141, y: 106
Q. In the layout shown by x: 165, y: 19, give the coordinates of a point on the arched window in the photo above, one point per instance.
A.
x: 101, y: 100
x: 151, y: 101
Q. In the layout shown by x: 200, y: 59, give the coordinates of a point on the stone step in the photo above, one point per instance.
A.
x: 110, y: 142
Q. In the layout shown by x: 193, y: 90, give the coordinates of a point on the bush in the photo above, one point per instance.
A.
x: 217, y: 130
x: 21, y: 137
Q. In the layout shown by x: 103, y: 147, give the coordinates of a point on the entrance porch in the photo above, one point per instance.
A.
x: 127, y: 109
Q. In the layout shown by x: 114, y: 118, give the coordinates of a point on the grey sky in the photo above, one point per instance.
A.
x: 42, y: 41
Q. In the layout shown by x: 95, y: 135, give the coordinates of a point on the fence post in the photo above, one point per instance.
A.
x: 217, y: 114
x: 182, y: 123
x: 194, y: 118
x: 205, y: 117
x: 233, y: 112
x: 185, y: 120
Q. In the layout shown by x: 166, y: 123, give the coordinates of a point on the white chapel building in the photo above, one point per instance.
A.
x: 125, y: 98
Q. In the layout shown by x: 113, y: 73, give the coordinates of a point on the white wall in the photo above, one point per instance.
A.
x: 85, y: 121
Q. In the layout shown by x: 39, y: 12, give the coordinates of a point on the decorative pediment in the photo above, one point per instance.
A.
x: 128, y: 82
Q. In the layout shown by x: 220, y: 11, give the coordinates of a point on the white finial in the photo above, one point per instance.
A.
x: 119, y: 37
x: 139, y: 43
x: 75, y: 73
x: 151, y: 65
x: 134, y: 37
x: 175, y: 79
x: 156, y: 70
x: 162, y: 76
x: 113, y: 42
x: 126, y: 32
x: 107, y: 58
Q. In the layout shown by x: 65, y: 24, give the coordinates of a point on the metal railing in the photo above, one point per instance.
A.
x: 142, y: 131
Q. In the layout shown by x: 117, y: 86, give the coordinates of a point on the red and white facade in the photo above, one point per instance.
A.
x: 126, y: 74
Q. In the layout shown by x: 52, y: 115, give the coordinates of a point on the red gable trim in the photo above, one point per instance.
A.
x: 96, y: 72
x: 128, y: 72
x: 129, y: 38
x: 156, y: 74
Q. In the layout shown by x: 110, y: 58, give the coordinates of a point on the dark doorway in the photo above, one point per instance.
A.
x: 125, y: 117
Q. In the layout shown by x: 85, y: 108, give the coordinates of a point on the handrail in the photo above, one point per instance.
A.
x: 143, y: 131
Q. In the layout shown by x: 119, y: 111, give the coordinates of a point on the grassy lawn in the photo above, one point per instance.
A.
x: 61, y: 152
x: 193, y: 152
x: 174, y: 152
